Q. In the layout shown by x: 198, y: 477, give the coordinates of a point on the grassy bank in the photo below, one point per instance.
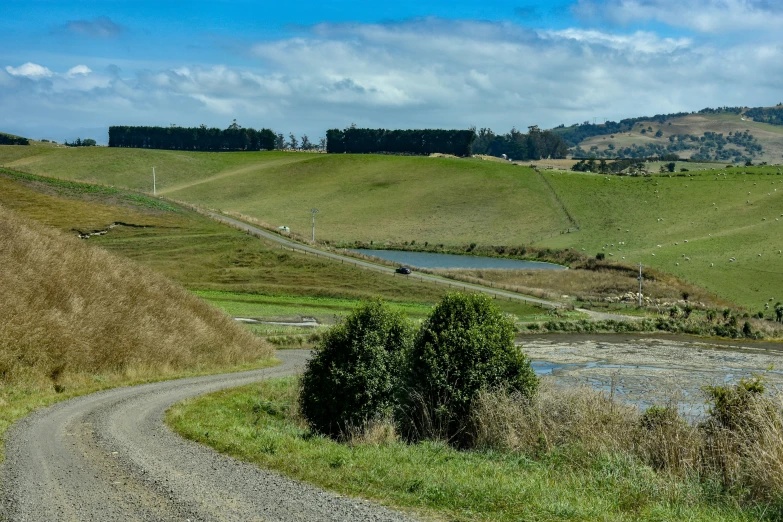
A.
x: 259, y: 424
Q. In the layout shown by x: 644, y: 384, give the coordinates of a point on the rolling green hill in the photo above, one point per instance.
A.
x: 456, y: 202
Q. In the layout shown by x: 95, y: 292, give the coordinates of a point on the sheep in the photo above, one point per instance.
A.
x: 759, y: 255
x: 653, y: 255
x: 687, y: 258
x: 678, y: 264
x: 685, y: 241
x: 712, y: 265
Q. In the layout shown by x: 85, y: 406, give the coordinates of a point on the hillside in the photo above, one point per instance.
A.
x: 705, y: 136
x: 71, y: 310
x: 457, y: 202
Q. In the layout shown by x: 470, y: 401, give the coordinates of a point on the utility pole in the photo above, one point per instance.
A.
x: 314, y: 211
x: 154, y: 189
x: 640, y: 285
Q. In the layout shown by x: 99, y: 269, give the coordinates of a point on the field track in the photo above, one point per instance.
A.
x: 109, y: 457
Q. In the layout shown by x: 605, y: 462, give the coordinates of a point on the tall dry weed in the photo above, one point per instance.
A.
x: 556, y: 416
x: 67, y: 308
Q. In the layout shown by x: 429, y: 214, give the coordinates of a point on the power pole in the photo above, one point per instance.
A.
x: 154, y: 188
x: 640, y: 285
x: 314, y: 211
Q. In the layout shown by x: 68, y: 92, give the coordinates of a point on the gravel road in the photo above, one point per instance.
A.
x: 108, y: 456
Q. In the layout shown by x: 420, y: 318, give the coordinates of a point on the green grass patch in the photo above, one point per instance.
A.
x: 256, y: 424
x: 327, y: 310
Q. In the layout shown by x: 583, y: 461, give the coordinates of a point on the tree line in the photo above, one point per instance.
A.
x: 425, y: 141
x: 8, y: 139
x: 771, y: 115
x: 87, y: 142
x: 515, y: 145
x: 200, y: 138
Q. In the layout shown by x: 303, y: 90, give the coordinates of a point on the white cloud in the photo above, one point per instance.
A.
x: 421, y: 73
x: 29, y: 70
x: 709, y: 16
x: 79, y: 69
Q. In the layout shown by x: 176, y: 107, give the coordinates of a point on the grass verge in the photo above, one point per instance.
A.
x: 258, y: 423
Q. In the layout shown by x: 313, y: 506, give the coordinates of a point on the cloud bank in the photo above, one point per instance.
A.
x: 418, y: 73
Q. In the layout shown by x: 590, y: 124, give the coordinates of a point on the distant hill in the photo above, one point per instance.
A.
x: 725, y: 134
x: 10, y: 139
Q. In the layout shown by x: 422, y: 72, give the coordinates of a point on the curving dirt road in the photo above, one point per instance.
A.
x: 108, y: 456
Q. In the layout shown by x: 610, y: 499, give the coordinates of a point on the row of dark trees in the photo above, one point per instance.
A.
x: 424, y: 141
x: 534, y: 145
x: 87, y: 142
x: 201, y: 138
x: 8, y: 139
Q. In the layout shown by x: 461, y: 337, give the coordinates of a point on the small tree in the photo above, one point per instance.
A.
x: 354, y: 377
x: 466, y: 345
x: 293, y: 143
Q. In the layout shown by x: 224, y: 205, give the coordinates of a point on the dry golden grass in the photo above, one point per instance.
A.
x: 70, y: 311
x: 554, y: 417
x: 741, y: 450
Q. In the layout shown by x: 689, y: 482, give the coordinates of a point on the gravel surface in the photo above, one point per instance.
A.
x: 109, y: 456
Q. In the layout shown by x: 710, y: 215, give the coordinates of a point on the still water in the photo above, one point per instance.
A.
x: 431, y: 260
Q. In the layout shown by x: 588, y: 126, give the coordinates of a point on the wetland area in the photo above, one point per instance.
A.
x: 652, y: 369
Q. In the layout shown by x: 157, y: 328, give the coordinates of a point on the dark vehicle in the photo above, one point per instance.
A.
x: 403, y: 270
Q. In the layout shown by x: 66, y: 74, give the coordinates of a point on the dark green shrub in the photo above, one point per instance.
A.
x: 465, y: 345
x: 354, y: 376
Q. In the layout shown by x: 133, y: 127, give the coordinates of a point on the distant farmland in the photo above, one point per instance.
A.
x: 461, y: 201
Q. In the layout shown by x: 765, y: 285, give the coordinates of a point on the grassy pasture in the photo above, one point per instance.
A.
x: 360, y: 197
x: 457, y: 202
x: 734, y: 226
x: 240, y: 274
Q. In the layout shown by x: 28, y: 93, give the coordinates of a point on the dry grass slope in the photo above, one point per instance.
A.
x: 70, y: 311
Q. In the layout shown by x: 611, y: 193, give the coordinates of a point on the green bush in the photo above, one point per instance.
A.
x: 354, y: 376
x: 465, y: 345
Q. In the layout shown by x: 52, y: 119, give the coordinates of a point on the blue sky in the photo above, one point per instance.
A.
x: 72, y: 69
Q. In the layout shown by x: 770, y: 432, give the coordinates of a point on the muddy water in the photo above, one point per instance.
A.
x: 652, y: 369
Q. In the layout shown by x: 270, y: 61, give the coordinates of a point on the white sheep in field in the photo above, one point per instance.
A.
x: 653, y: 255
x: 712, y: 265
x: 687, y: 258
x: 759, y: 255
x: 677, y: 264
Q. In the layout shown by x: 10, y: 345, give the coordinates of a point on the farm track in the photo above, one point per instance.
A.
x: 109, y: 456
x: 292, y: 245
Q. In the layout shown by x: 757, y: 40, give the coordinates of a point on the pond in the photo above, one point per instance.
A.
x: 652, y: 369
x: 432, y: 260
